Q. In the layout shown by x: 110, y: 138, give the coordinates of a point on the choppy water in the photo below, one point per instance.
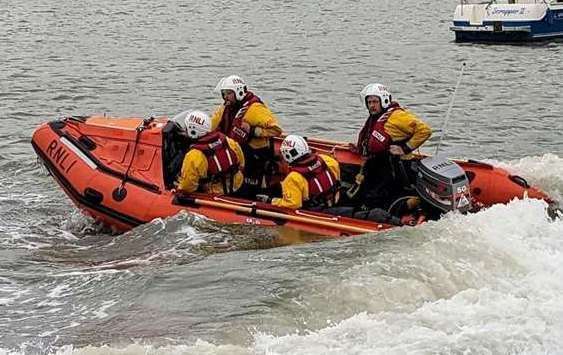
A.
x: 484, y: 283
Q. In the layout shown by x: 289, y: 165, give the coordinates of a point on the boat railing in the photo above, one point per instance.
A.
x: 311, y: 215
x: 238, y: 203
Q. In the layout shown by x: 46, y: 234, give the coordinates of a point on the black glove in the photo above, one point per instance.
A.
x: 263, y: 198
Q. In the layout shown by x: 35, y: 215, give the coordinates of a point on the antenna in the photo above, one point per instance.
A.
x: 450, y: 108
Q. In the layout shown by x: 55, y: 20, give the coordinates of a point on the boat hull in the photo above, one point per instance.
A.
x: 113, y: 170
x: 93, y: 184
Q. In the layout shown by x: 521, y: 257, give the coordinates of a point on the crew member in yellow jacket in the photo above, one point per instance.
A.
x: 385, y: 142
x: 214, y: 162
x: 244, y: 117
x: 313, y: 181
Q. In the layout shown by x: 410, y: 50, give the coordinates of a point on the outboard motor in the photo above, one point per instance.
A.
x: 443, y: 184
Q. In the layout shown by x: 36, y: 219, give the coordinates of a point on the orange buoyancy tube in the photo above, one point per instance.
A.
x: 323, y: 185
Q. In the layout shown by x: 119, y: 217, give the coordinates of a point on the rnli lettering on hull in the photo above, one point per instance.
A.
x: 59, y: 155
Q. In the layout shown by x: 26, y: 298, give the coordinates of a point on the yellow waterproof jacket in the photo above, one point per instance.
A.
x: 260, y: 119
x: 195, y: 166
x: 403, y: 126
x: 295, y: 188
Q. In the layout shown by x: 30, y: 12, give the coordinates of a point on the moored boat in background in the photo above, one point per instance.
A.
x: 508, y: 20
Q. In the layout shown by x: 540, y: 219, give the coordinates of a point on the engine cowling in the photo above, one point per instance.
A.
x: 443, y: 184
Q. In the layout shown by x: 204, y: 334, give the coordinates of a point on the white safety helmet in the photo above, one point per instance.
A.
x: 378, y: 90
x: 198, y: 124
x: 234, y: 83
x: 294, y: 147
x: 180, y: 119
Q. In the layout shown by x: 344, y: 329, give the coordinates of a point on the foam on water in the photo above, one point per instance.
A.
x: 488, y: 282
x: 78, y: 224
x: 483, y: 283
x: 545, y: 171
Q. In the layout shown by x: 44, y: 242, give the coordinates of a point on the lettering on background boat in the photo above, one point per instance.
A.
x: 506, y: 12
x: 59, y: 155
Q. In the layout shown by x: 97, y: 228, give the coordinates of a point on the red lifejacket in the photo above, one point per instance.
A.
x: 373, y: 138
x: 323, y: 185
x: 232, y: 118
x: 222, y: 161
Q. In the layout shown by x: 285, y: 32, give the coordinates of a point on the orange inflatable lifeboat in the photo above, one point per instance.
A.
x: 121, y: 171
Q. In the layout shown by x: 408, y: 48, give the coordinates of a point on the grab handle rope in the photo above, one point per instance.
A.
x: 119, y: 190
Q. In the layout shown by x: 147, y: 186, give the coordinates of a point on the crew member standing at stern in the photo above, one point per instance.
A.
x: 385, y: 142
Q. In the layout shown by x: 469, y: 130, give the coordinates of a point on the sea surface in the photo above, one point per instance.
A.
x: 486, y: 283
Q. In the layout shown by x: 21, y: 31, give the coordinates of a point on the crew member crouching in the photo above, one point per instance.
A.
x: 313, y: 181
x: 213, y: 163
